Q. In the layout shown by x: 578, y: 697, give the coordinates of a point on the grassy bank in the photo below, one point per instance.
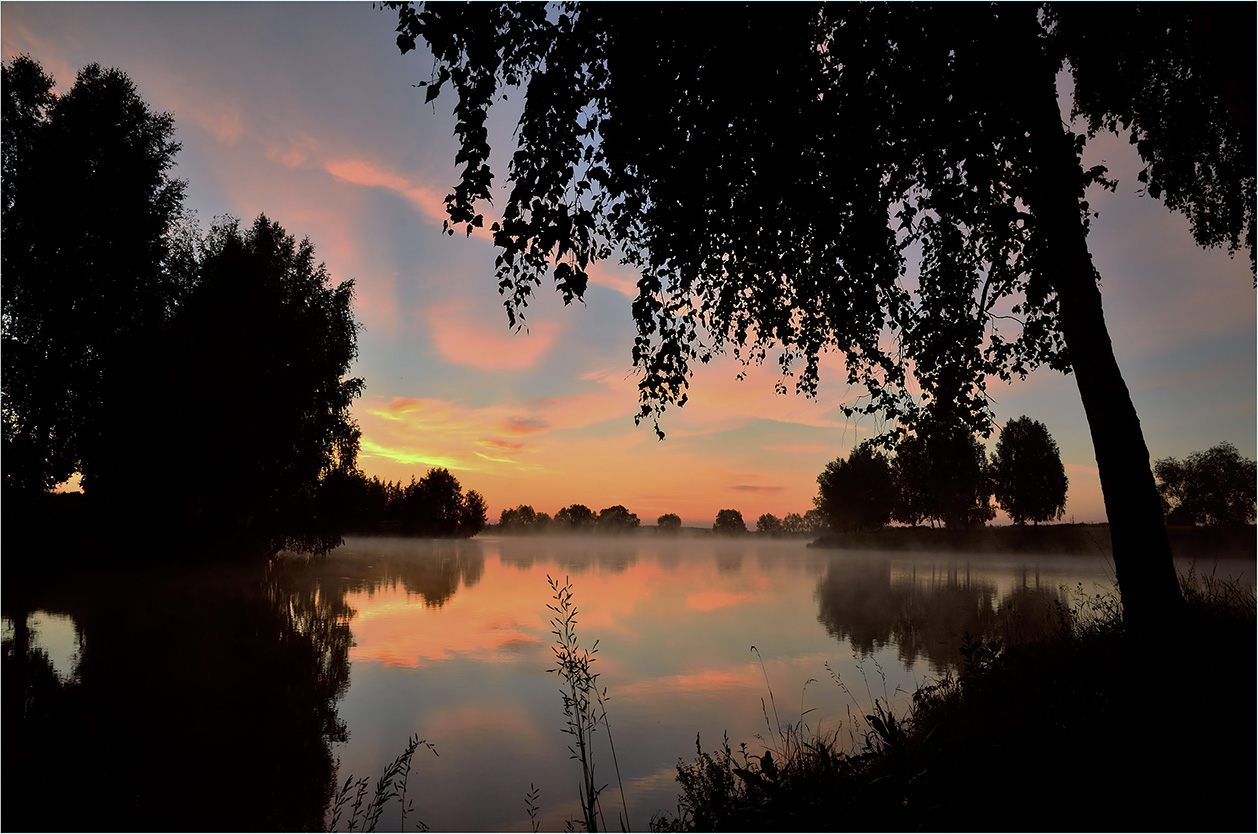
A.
x: 1081, y: 539
x: 1086, y: 730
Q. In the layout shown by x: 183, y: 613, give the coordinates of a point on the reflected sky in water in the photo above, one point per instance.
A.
x: 453, y: 640
x: 271, y: 685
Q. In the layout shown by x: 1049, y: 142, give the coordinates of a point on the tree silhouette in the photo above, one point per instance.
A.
x: 1028, y: 478
x: 729, y: 523
x: 940, y: 475
x: 815, y: 522
x: 616, y: 520
x: 1214, y: 487
x: 473, y: 514
x: 769, y: 524
x: 669, y: 524
x: 780, y: 212
x: 440, y: 503
x: 575, y: 518
x: 90, y: 272
x: 255, y: 466
x: 522, y: 519
x: 857, y: 493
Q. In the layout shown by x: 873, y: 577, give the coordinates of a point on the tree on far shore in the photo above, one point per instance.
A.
x: 769, y: 524
x: 616, y: 520
x: 941, y: 476
x: 575, y: 518
x: 1214, y: 487
x: 1028, y: 478
x: 729, y: 523
x: 857, y: 493
x: 669, y: 524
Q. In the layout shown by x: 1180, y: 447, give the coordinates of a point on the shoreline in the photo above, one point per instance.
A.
x: 1047, y: 539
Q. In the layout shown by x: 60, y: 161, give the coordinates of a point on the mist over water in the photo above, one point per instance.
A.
x: 320, y: 669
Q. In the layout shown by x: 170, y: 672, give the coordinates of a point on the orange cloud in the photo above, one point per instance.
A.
x: 395, y: 628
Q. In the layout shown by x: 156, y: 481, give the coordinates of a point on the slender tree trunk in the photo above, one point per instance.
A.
x: 1142, y: 556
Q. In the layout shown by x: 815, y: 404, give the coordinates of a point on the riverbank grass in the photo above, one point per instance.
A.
x: 1086, y: 729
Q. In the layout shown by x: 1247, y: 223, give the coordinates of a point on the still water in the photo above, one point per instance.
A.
x: 241, y: 698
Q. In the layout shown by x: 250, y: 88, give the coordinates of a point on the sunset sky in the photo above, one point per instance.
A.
x: 307, y: 112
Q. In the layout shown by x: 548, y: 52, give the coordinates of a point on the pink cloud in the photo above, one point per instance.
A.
x: 222, y: 122
x: 430, y: 201
x: 291, y: 151
x: 622, y: 279
x: 461, y: 340
x: 519, y: 425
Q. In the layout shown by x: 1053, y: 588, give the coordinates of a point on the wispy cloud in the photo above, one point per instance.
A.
x: 429, y: 200
x: 519, y: 425
x: 462, y: 339
x: 751, y: 488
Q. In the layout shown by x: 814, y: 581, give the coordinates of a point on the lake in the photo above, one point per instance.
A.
x: 241, y: 697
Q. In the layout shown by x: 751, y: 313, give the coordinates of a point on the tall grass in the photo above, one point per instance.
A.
x: 584, y: 704
x: 1080, y: 730
x: 364, y: 813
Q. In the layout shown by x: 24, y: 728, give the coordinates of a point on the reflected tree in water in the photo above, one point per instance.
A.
x: 203, y: 700
x: 431, y: 570
x: 926, y: 613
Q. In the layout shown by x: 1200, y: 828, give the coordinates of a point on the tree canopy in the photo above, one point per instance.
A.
x: 729, y: 523
x: 857, y: 493
x: 265, y: 411
x: 616, y: 520
x: 137, y: 350
x: 1214, y: 487
x: 1028, y: 478
x: 576, y: 518
x: 885, y: 185
x: 90, y: 277
x: 769, y: 524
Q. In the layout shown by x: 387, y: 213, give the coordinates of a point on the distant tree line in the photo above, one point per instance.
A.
x: 946, y: 480
x: 617, y: 520
x: 943, y: 477
x: 574, y: 518
x: 434, y: 506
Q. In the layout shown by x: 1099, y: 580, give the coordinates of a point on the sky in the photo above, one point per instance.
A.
x: 308, y: 113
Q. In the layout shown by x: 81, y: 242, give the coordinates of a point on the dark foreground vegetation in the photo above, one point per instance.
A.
x: 1088, y: 729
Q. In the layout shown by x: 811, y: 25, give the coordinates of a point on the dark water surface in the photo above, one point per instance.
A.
x: 237, y: 698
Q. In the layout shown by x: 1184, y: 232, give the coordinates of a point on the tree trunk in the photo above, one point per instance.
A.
x: 1142, y: 555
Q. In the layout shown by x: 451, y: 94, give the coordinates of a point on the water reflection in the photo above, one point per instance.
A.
x: 432, y: 569
x: 922, y: 608
x: 222, y: 699
x: 199, y: 700
x: 573, y: 555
